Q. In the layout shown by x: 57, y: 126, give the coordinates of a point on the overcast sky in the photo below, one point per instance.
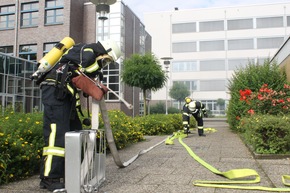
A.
x: 139, y: 7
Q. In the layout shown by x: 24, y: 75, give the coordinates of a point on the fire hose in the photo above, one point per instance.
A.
x: 110, y: 137
x: 231, y: 174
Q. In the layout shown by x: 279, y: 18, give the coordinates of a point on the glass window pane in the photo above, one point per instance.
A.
x: 212, y: 65
x: 217, y: 45
x: 184, y: 27
x: 264, y: 43
x: 184, y: 47
x: 238, y: 24
x: 212, y: 85
x: 242, y: 44
x: 269, y: 22
x: 211, y: 26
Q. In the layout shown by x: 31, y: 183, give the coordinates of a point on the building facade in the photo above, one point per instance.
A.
x: 30, y: 28
x: 207, y: 45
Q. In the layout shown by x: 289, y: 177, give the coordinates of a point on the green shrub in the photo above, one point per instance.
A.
x: 21, y: 138
x: 125, y: 131
x: 21, y: 145
x: 160, y: 124
x: 267, y: 134
x: 252, y: 77
x: 173, y: 110
x: 158, y: 108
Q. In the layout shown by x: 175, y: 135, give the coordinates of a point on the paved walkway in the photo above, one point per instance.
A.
x: 170, y: 169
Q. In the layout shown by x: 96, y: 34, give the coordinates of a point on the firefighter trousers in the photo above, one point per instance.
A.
x: 57, y: 120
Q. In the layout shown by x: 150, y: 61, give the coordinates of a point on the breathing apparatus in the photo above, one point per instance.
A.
x: 46, y: 63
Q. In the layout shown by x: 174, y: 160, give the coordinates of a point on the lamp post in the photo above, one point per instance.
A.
x: 103, y: 8
x: 166, y: 66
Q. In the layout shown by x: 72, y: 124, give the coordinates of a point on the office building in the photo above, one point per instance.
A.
x: 208, y: 44
x: 29, y: 29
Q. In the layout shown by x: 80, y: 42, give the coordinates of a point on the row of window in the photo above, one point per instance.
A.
x: 234, y: 44
x: 210, y: 105
x: 29, y: 52
x: 231, y: 24
x: 30, y: 12
x: 214, y: 65
x: 205, y: 85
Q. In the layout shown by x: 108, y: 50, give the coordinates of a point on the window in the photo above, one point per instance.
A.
x: 7, y: 17
x: 242, y: 44
x: 54, y: 12
x: 212, y: 85
x: 190, y: 84
x: 184, y: 27
x: 184, y: 47
x: 112, y: 80
x: 269, y: 22
x: 28, y: 52
x: 211, y: 26
x: 184, y: 66
x: 212, y: 65
x: 238, y: 24
x: 6, y: 49
x: 288, y: 20
x: 265, y: 43
x: 48, y: 46
x: 235, y: 64
x: 212, y: 45
x: 29, y: 14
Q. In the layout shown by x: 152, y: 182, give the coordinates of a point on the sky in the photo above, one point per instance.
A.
x: 139, y: 7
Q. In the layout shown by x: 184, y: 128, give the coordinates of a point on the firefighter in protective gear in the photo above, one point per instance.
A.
x: 197, y: 110
x: 61, y: 100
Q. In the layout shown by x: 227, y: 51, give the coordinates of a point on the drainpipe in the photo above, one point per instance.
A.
x: 15, y: 49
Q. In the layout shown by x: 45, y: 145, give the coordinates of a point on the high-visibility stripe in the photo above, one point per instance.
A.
x: 92, y: 68
x: 185, y: 122
x: 199, y: 127
x: 88, y: 50
x: 57, y: 151
x: 70, y: 89
x: 186, y: 114
x: 51, y: 142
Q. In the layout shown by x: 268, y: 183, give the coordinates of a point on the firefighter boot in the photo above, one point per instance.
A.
x: 51, y: 184
x: 186, y: 129
x: 200, y: 132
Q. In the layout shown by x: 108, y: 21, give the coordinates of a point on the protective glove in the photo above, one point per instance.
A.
x: 205, y: 114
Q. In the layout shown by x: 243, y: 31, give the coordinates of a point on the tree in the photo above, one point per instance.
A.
x: 143, y: 71
x: 178, y: 92
x: 220, y: 103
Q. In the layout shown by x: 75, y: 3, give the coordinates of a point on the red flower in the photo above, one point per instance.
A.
x: 244, y: 94
x: 251, y: 111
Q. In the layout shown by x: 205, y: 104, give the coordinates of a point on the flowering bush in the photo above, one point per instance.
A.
x: 251, y: 77
x: 125, y: 131
x: 266, y: 100
x: 160, y: 124
x: 21, y: 138
x: 20, y: 145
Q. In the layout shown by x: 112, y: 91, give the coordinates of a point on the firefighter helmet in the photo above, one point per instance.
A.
x: 187, y: 100
x: 192, y: 106
x: 112, y: 49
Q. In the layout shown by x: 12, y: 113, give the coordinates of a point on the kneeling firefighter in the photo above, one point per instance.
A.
x: 61, y: 100
x: 197, y: 110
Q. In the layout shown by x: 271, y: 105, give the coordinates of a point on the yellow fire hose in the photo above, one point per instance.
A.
x: 230, y: 175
